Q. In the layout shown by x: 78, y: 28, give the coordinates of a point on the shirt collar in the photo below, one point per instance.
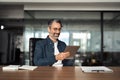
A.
x: 50, y: 41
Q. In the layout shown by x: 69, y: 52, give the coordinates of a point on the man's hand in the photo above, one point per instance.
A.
x: 62, y: 56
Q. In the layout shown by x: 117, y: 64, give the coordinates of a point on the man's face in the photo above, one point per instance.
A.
x: 54, y: 30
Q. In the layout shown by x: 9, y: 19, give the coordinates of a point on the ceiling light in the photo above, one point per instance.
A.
x: 2, y: 27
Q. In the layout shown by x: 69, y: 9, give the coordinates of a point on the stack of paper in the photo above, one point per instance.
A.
x: 18, y: 67
x: 10, y: 68
x: 96, y: 69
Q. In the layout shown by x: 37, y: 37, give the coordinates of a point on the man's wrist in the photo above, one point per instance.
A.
x: 56, y: 57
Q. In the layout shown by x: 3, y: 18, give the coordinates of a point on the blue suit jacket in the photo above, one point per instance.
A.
x: 44, y: 52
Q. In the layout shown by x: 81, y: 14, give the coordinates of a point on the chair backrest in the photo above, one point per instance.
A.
x: 32, y: 42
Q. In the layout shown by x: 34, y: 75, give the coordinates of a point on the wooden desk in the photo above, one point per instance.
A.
x: 64, y: 73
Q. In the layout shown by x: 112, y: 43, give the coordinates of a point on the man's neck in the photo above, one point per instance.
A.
x: 54, y: 40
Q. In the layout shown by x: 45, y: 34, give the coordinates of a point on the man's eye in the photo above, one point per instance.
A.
x: 57, y: 29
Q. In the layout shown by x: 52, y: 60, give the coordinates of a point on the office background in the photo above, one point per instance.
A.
x: 94, y: 26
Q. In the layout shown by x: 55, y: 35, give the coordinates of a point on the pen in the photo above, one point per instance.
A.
x: 97, y: 70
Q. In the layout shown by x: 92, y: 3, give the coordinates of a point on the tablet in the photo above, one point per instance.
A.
x: 72, y: 49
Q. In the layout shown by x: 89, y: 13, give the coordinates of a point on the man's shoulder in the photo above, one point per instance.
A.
x: 41, y: 42
x: 61, y: 42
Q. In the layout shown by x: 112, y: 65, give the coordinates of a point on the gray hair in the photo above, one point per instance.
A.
x: 54, y: 20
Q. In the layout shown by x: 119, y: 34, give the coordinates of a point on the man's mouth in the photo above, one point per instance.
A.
x: 56, y: 35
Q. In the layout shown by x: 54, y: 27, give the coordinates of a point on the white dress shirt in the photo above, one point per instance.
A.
x: 56, y: 51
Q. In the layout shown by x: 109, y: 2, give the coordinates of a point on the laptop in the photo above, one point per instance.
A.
x: 72, y: 49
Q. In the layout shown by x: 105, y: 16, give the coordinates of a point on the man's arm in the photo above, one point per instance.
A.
x: 40, y: 58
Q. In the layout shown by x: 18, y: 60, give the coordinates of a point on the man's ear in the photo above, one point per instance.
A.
x: 49, y: 29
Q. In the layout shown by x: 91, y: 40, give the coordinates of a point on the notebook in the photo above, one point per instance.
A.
x: 72, y: 49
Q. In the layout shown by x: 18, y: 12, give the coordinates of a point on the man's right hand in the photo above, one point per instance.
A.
x: 62, y: 56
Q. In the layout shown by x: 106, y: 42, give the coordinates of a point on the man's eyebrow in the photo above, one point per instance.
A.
x: 57, y: 28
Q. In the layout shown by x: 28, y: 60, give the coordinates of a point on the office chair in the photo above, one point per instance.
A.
x: 32, y: 42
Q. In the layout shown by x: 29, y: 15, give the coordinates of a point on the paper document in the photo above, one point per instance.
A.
x: 101, y: 69
x: 27, y: 67
x: 18, y: 67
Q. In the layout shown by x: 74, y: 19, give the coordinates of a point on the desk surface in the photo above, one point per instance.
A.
x: 60, y: 73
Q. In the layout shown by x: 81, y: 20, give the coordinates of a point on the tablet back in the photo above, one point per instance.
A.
x: 72, y: 49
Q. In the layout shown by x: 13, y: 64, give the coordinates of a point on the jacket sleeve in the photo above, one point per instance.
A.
x: 40, y: 57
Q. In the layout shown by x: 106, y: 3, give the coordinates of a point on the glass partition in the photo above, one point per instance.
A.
x: 79, y: 28
x: 111, y: 55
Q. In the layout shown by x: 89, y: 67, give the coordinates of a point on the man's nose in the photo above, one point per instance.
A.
x: 57, y: 31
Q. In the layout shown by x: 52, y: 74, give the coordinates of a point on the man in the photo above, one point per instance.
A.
x: 49, y: 52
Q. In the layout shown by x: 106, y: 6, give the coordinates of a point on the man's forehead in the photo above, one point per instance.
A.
x: 55, y: 24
